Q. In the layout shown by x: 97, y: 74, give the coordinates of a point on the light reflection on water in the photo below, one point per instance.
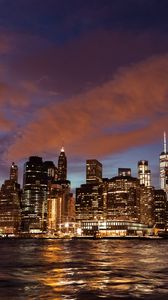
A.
x: 88, y: 269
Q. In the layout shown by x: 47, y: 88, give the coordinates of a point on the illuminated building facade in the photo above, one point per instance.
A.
x: 93, y: 171
x: 144, y: 174
x: 105, y: 228
x: 34, y: 195
x: 61, y: 206
x: 62, y: 165
x: 123, y: 198
x: 160, y: 207
x: 10, y: 211
x: 89, y: 202
x: 147, y: 205
x: 164, y: 167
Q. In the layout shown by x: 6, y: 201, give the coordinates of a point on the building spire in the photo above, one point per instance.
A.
x: 165, y: 150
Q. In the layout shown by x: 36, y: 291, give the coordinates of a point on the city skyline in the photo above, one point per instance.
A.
x: 155, y: 178
x: 87, y: 75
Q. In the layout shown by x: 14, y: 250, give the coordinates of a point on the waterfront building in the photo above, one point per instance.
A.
x: 93, y: 171
x: 61, y: 206
x: 109, y: 228
x: 160, y: 208
x: 10, y: 212
x: 62, y: 166
x: 123, y: 198
x: 34, y: 195
x: 89, y: 202
x: 144, y: 174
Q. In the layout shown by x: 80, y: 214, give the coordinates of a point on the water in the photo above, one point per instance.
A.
x: 87, y: 269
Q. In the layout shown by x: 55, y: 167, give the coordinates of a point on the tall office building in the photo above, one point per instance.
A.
x: 60, y: 207
x: 14, y: 173
x: 50, y: 171
x: 34, y: 195
x: 62, y: 165
x: 89, y: 202
x: 144, y: 174
x: 123, y: 198
x: 93, y: 171
x: 160, y: 207
x: 164, y: 167
x: 147, y: 205
x: 10, y: 212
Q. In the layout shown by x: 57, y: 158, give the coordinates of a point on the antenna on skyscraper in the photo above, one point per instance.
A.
x: 165, y: 150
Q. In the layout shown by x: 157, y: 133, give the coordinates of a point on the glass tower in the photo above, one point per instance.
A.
x: 34, y: 195
x: 144, y: 174
x: 164, y: 167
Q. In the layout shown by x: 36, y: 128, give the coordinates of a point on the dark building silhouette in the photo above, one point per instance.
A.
x: 34, y: 199
x: 93, y: 171
x: 50, y: 171
x: 14, y: 172
x: 62, y: 165
x: 124, y: 172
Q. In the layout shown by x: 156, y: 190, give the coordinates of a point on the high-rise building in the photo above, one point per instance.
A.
x: 50, y: 170
x: 89, y: 196
x: 160, y: 206
x: 93, y: 171
x: 60, y: 206
x: 34, y: 197
x: 164, y: 167
x: 144, y: 174
x: 123, y: 198
x: 89, y: 202
x: 14, y: 172
x: 62, y: 165
x: 147, y: 205
x: 10, y: 211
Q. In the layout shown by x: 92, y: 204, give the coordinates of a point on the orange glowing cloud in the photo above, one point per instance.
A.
x: 129, y: 110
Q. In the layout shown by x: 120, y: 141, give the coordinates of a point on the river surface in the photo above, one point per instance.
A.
x: 87, y: 269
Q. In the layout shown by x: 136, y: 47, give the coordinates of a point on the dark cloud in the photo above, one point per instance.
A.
x: 86, y: 62
x: 61, y: 20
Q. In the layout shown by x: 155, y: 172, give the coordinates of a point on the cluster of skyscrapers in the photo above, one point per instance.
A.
x: 117, y: 206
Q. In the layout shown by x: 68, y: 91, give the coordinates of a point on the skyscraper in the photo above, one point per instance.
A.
x: 144, y: 174
x: 14, y: 173
x: 62, y: 166
x: 164, y: 167
x: 10, y: 213
x: 123, y: 198
x: 160, y: 206
x: 93, y: 171
x: 34, y: 195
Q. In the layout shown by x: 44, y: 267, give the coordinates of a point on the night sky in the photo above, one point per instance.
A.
x: 89, y: 75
